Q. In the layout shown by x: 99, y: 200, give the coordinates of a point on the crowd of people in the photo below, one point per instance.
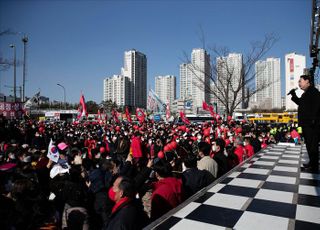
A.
x: 116, y: 175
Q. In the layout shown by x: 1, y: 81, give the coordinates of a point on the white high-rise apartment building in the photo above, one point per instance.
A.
x: 166, y: 88
x: 295, y: 65
x: 230, y: 69
x: 194, y: 77
x: 268, y: 73
x: 117, y: 89
x: 135, y: 68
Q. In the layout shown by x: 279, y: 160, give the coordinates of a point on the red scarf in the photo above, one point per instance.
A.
x: 119, y: 203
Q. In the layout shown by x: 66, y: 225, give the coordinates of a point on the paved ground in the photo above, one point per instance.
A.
x: 268, y: 191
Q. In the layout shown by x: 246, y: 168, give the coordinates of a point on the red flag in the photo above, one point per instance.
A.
x: 205, y: 106
x: 82, y: 110
x: 115, y: 116
x: 184, y: 118
x: 128, y: 115
x: 99, y: 116
x: 168, y: 111
x: 140, y: 115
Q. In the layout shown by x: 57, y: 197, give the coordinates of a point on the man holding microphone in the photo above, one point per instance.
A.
x: 309, y: 119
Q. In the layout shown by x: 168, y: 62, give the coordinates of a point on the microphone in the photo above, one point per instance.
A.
x: 291, y: 91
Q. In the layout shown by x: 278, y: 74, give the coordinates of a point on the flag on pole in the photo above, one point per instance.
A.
x: 140, y: 115
x: 82, y: 110
x: 114, y: 114
x: 168, y: 111
x: 53, y: 153
x: 128, y: 115
x: 206, y: 107
x: 32, y: 101
x: 184, y: 118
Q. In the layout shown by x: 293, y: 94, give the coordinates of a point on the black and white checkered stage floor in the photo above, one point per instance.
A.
x: 268, y: 191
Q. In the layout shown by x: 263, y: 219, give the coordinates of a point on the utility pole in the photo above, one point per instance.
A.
x: 24, y: 40
x: 14, y: 72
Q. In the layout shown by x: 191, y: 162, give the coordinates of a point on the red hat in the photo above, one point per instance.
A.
x: 227, y: 141
x: 102, y: 149
x: 183, y: 128
x: 206, y: 132
x: 62, y: 146
x: 174, y: 144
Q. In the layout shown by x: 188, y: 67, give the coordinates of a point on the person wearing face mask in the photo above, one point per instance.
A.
x: 123, y: 146
x: 127, y: 213
x: 113, y: 145
x: 309, y: 119
x: 220, y: 157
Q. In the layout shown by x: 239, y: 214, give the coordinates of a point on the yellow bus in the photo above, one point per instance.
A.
x: 273, y: 117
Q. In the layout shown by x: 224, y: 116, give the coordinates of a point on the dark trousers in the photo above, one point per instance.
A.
x: 311, y: 137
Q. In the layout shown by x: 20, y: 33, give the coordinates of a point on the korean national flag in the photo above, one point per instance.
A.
x: 53, y: 153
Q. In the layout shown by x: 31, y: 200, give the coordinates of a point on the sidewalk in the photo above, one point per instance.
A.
x: 268, y: 191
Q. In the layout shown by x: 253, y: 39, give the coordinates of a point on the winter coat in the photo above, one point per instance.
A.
x: 136, y: 147
x: 129, y: 216
x: 308, y: 107
x: 167, y: 194
x: 194, y: 180
x: 222, y: 162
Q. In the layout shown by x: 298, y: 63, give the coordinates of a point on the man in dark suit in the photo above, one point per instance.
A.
x: 309, y: 119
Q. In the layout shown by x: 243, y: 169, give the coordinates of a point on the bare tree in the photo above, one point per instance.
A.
x: 229, y: 85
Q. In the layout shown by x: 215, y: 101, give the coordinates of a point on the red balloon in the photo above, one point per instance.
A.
x: 227, y: 142
x: 166, y: 148
x: 174, y: 144
x: 102, y: 149
x: 229, y: 118
x: 239, y: 130
x: 41, y: 129
x: 136, y: 127
x: 117, y: 128
x: 160, y: 154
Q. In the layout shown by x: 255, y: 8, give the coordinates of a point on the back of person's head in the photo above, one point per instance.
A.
x: 76, y: 220
x: 190, y: 161
x: 204, y: 147
x: 221, y: 143
x: 127, y: 187
x: 163, y: 168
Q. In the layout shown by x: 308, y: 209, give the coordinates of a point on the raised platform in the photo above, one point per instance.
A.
x: 268, y: 191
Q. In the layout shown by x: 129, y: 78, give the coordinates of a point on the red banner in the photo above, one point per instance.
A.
x: 11, y: 109
x: 291, y: 63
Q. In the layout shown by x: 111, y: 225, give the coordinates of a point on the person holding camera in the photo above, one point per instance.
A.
x: 309, y: 119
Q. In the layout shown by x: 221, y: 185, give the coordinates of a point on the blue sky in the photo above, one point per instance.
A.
x: 79, y: 43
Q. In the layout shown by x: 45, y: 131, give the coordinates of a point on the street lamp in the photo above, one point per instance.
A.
x: 64, y: 95
x: 14, y: 72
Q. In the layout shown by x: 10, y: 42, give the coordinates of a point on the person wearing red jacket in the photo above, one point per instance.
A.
x: 248, y: 147
x: 167, y: 191
x: 136, y: 146
x: 239, y: 149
